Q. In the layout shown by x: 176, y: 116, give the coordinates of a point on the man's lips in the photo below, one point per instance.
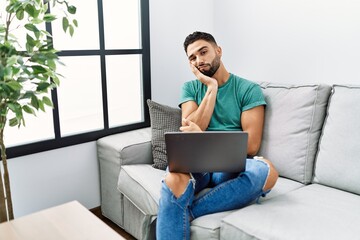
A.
x: 202, y: 67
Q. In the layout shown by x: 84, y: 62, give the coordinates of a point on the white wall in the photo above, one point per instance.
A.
x: 170, y: 23
x: 291, y: 41
x: 274, y: 40
x: 47, y: 179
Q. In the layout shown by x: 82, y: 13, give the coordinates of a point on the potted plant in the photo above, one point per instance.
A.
x: 27, y: 73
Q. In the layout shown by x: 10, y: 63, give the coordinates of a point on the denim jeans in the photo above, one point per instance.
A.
x: 228, y: 191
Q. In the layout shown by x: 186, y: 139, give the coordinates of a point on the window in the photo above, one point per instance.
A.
x: 106, y: 79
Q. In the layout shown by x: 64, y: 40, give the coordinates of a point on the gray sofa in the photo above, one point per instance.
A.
x: 311, y: 134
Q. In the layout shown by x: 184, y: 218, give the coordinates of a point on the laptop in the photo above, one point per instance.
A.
x: 213, y: 151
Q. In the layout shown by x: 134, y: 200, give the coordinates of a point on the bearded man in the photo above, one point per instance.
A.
x: 216, y: 101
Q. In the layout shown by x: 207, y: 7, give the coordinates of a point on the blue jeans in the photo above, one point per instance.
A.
x: 228, y: 191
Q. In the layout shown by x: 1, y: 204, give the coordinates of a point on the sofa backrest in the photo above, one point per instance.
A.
x: 294, y: 118
x: 338, y: 160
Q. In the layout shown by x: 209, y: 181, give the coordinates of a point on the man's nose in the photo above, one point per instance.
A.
x: 200, y: 61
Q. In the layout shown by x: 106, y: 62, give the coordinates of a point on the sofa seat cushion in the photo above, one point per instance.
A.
x: 208, y: 226
x: 141, y: 184
x: 311, y: 212
x: 282, y: 186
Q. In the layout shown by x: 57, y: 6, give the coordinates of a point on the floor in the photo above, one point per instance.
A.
x: 124, y: 234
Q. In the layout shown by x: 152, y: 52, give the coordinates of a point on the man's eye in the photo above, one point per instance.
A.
x: 203, y: 52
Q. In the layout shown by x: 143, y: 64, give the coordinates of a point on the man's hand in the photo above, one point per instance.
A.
x: 189, y: 126
x: 208, y: 81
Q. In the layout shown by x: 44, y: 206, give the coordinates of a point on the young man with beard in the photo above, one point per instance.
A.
x: 216, y: 101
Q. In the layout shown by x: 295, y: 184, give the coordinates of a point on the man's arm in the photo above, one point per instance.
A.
x: 252, y: 122
x: 201, y: 114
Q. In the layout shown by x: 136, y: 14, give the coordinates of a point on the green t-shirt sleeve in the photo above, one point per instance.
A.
x: 254, y: 97
x: 187, y: 93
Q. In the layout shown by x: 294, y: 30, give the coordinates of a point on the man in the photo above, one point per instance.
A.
x: 217, y: 100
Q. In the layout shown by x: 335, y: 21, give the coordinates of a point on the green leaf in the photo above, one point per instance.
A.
x: 51, y: 63
x: 30, y: 40
x: 49, y: 17
x: 41, y: 106
x: 30, y: 10
x: 75, y: 23
x: 71, y: 9
x: 42, y: 86
x: 8, y: 73
x: 56, y: 80
x: 29, y: 48
x: 28, y: 94
x: 11, y: 60
x: 20, y: 14
x: 13, y: 107
x: 34, y: 102
x: 29, y: 110
x: 13, y: 122
x: 65, y: 23
x: 47, y: 101
x: 31, y: 27
x: 71, y: 30
x: 14, y: 85
x: 38, y: 69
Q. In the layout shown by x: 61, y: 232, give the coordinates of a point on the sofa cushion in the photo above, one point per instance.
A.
x: 282, y: 186
x: 311, y: 212
x: 293, y: 121
x: 338, y: 161
x: 208, y: 226
x: 141, y: 184
x: 163, y: 119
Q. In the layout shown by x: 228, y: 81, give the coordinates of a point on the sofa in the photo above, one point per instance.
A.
x: 312, y: 136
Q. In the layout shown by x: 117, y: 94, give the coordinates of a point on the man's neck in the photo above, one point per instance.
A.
x: 221, y: 75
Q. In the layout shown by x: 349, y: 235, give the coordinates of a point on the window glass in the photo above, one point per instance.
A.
x: 124, y: 89
x: 86, y: 36
x: 80, y: 95
x: 37, y: 128
x: 122, y: 30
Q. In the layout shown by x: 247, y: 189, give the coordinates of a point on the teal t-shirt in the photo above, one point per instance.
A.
x: 234, y: 97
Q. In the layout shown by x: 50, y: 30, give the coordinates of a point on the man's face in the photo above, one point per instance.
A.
x: 204, y: 56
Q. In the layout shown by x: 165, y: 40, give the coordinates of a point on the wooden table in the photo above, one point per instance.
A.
x: 70, y: 221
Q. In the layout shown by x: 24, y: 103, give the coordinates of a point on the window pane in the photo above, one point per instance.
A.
x: 122, y: 24
x: 80, y: 95
x: 38, y: 128
x: 86, y: 36
x: 124, y: 89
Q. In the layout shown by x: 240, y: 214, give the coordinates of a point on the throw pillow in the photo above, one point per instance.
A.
x: 162, y: 119
x: 294, y: 117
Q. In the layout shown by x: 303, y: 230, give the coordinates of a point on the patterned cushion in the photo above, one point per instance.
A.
x: 163, y: 119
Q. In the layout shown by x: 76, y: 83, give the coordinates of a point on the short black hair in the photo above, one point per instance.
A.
x: 193, y: 37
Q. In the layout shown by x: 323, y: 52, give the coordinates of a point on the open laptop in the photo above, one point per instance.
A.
x: 213, y: 151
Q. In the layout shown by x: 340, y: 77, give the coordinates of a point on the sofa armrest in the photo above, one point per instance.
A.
x: 133, y: 147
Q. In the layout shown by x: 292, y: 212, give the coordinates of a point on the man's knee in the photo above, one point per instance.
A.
x: 177, y: 182
x: 272, y: 176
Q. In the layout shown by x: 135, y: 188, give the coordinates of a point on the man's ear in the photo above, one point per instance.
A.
x: 218, y: 50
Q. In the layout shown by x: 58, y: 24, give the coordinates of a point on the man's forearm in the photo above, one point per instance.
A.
x: 202, y: 115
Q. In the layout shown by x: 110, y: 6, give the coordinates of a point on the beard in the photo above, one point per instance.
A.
x: 214, y: 66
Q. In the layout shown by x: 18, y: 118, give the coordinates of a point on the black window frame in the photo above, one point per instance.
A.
x: 60, y: 142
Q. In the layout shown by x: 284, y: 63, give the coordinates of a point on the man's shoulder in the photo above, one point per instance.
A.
x: 194, y: 84
x: 243, y: 82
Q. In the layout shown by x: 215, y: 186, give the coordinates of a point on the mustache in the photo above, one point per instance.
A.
x: 204, y: 65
